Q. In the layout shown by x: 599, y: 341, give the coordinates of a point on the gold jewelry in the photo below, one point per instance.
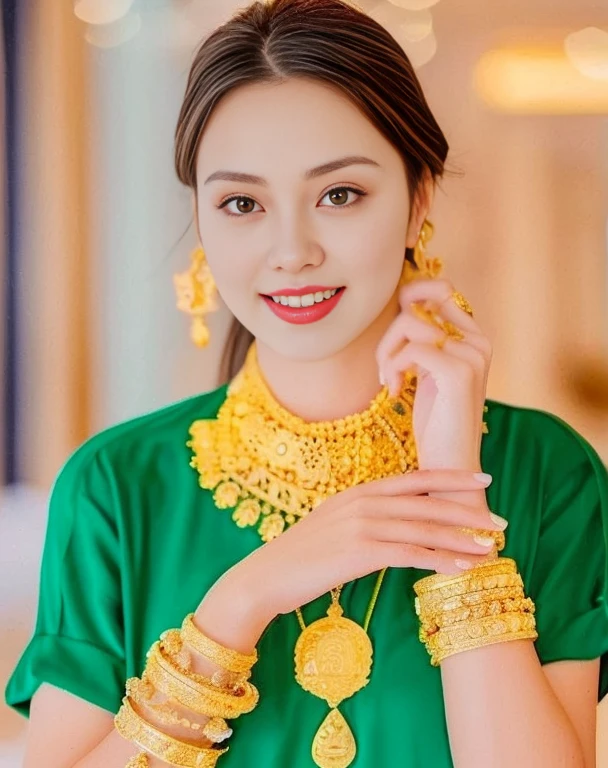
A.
x: 197, y: 295
x: 142, y: 692
x: 273, y: 468
x: 194, y: 691
x: 235, y: 666
x: 132, y: 727
x: 333, y: 660
x: 138, y: 761
x: 423, y: 267
x: 461, y: 302
x: 508, y: 617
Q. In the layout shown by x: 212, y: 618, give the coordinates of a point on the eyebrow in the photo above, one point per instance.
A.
x: 312, y: 173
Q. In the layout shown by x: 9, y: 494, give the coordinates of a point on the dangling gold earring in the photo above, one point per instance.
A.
x: 423, y: 267
x: 197, y: 295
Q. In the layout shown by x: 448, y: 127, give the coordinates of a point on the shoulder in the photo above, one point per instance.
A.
x: 127, y: 448
x: 535, y: 436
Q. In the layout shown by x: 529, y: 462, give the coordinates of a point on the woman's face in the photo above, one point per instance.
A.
x: 294, y: 227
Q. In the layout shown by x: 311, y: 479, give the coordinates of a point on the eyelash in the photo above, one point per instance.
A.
x: 359, y: 192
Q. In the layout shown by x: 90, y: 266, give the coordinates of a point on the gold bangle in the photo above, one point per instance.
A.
x: 231, y: 660
x: 485, y: 575
x: 476, y: 634
x: 132, y: 727
x: 142, y: 692
x: 174, y: 643
x: 201, y: 697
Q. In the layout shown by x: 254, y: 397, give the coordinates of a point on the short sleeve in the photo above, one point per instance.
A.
x: 569, y: 578
x: 78, y: 643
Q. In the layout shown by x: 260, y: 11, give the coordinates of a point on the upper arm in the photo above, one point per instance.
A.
x: 63, y: 728
x: 78, y: 642
x: 575, y: 684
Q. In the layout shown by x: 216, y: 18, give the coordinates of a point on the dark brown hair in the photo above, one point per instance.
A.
x: 327, y: 40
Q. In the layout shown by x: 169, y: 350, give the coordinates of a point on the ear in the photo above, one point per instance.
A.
x: 421, y: 205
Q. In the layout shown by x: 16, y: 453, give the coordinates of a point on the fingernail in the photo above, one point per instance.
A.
x: 483, y: 478
x: 381, y: 377
x: 484, y: 541
x: 500, y: 522
x: 464, y: 564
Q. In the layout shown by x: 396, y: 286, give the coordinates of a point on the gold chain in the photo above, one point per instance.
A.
x: 335, y: 598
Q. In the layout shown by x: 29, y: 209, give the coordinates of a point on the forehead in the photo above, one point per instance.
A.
x: 286, y: 126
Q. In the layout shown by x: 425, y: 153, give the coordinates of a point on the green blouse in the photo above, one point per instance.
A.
x: 133, y: 544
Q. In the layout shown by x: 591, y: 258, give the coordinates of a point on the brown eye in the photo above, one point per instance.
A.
x: 244, y: 204
x: 339, y: 196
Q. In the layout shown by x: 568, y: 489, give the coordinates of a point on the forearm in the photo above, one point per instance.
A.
x: 235, y: 623
x: 501, y: 711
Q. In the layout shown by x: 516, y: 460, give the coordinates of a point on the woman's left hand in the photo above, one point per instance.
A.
x: 451, y: 382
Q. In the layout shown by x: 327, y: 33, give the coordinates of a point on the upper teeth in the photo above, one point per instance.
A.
x: 304, y: 301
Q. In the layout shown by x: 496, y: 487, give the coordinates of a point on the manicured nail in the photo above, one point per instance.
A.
x: 464, y: 564
x: 483, y: 478
x: 381, y: 377
x: 499, y: 521
x: 484, y: 541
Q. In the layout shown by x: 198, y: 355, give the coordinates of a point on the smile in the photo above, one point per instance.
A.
x: 304, y: 307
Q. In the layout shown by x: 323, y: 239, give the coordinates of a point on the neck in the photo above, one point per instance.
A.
x: 329, y: 388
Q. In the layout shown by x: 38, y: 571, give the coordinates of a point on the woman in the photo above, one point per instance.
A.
x: 347, y: 453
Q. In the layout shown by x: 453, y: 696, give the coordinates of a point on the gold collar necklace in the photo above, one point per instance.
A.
x: 272, y: 467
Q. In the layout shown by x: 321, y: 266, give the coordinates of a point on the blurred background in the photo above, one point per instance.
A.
x: 94, y: 224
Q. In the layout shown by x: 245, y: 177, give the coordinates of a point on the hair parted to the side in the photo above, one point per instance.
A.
x: 327, y: 40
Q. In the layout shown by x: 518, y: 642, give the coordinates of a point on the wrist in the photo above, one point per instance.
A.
x: 232, y: 615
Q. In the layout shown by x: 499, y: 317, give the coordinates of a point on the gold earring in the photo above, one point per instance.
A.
x: 197, y: 295
x: 423, y: 267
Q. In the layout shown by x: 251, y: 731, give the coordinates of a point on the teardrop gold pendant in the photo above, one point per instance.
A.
x: 334, y: 744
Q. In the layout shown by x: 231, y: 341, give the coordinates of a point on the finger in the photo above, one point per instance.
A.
x: 402, y: 330
x: 391, y: 555
x: 419, y: 481
x: 445, y: 368
x: 423, y: 509
x: 424, y: 533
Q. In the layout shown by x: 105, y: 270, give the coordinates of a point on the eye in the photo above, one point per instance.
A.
x: 239, y: 199
x: 339, y: 196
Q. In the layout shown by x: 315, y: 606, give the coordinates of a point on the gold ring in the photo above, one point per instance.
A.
x: 452, y: 331
x: 440, y: 343
x: 461, y: 302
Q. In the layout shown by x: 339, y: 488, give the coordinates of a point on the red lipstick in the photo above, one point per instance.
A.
x: 303, y: 315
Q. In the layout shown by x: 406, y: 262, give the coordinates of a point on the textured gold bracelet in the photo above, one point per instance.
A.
x: 174, y: 645
x: 475, y: 634
x: 201, y: 697
x: 132, y: 727
x: 510, y: 584
x: 143, y: 693
x: 230, y: 660
x: 495, y: 602
x: 485, y: 575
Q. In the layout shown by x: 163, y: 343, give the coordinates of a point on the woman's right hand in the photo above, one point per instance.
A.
x: 384, y: 523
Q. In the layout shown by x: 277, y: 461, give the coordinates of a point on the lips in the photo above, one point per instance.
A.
x: 310, y: 313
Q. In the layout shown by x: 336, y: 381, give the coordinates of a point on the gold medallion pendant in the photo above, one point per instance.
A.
x: 333, y: 660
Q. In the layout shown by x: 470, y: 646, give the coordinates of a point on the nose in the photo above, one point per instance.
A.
x: 294, y: 250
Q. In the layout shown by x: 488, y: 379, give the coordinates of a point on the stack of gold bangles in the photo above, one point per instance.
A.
x: 168, y: 677
x: 479, y: 607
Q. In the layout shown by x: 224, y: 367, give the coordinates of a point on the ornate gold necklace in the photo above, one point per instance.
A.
x: 272, y: 468
x: 333, y: 658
